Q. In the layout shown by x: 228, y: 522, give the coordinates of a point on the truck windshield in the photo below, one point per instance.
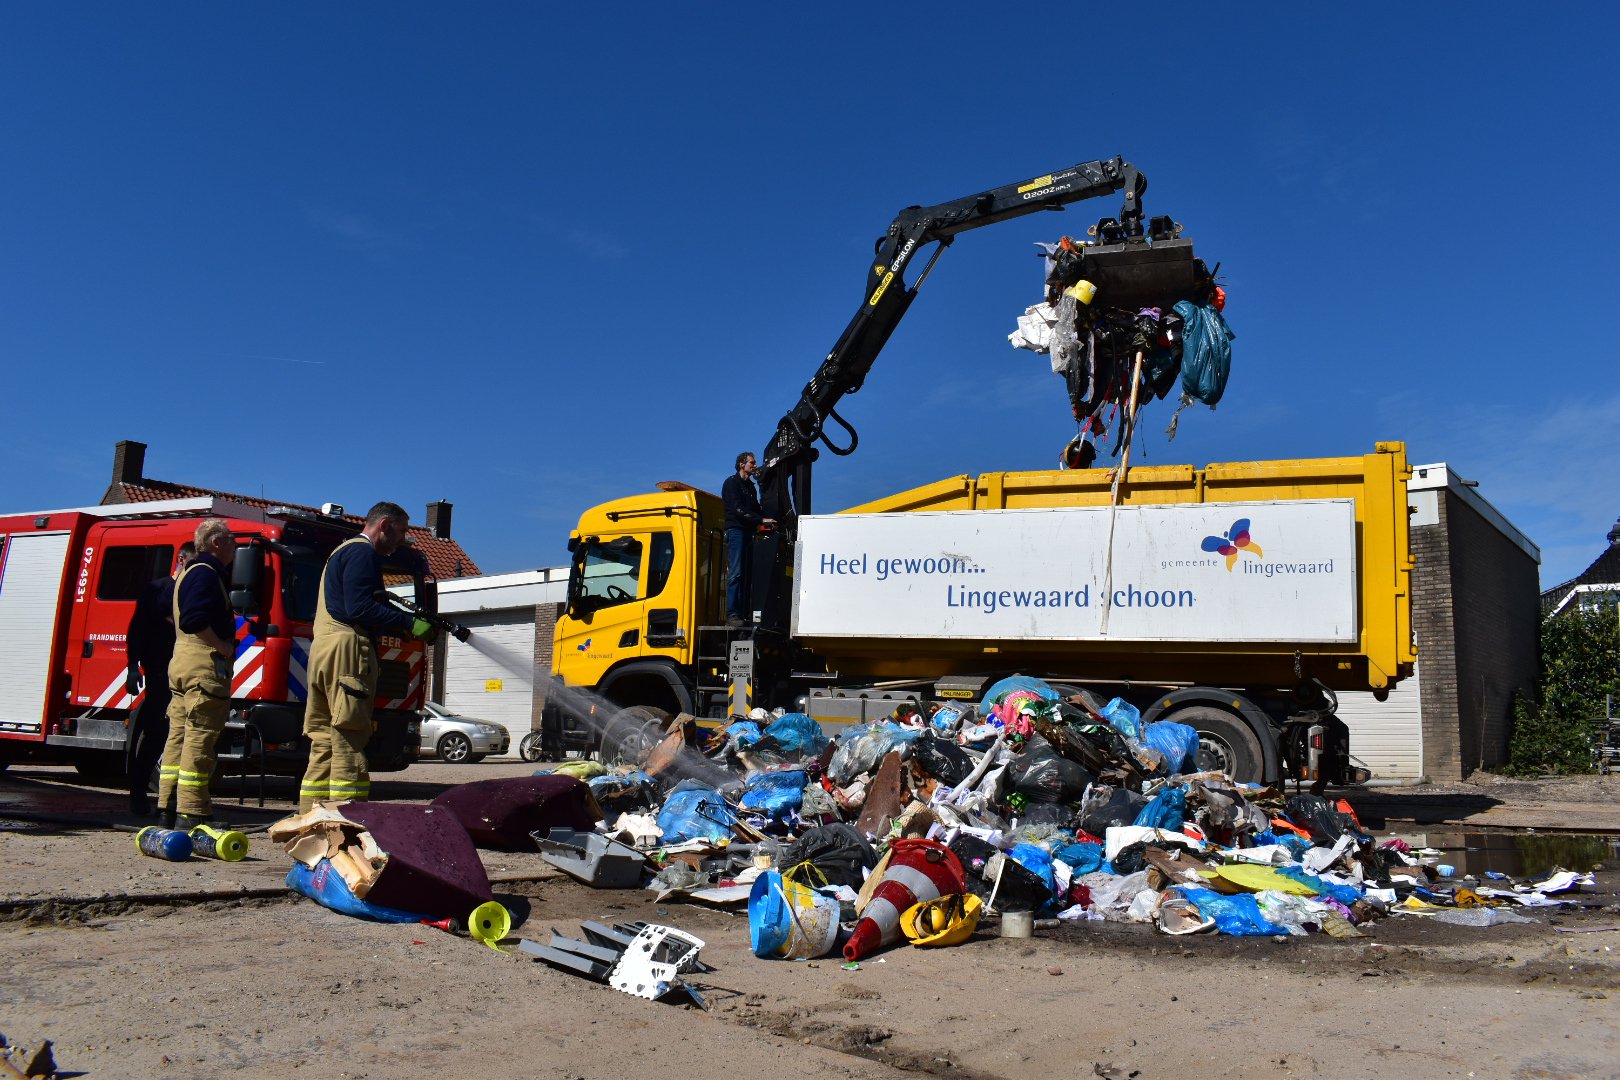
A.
x: 607, y: 574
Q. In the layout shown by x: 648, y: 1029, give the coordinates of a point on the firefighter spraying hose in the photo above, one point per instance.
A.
x: 438, y: 622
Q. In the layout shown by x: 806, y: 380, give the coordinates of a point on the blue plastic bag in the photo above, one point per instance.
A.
x: 796, y: 733
x: 744, y: 733
x: 1123, y: 717
x: 1238, y: 916
x: 1206, y: 354
x: 694, y: 812
x: 1344, y: 894
x: 1166, y: 810
x: 775, y: 794
x: 1086, y: 858
x: 324, y: 885
x: 1292, y: 843
x: 1037, y: 860
x: 1015, y: 682
x: 863, y: 746
x: 1177, y: 742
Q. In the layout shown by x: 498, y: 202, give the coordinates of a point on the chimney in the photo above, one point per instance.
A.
x: 438, y: 519
x: 129, y: 458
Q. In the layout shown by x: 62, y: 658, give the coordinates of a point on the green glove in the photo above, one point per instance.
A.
x: 422, y: 630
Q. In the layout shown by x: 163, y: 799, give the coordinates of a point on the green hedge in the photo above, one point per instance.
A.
x: 1580, y: 663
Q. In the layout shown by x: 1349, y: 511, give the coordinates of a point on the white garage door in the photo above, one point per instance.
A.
x: 491, y: 676
x: 1387, y: 735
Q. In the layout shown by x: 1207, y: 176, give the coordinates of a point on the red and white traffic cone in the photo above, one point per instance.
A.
x: 918, y: 871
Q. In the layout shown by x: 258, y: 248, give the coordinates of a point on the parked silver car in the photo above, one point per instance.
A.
x: 456, y: 739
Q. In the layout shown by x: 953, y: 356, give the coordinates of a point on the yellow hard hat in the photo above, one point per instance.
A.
x: 948, y: 920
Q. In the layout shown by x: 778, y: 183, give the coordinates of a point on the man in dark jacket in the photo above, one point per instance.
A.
x: 343, y: 665
x: 150, y: 641
x: 743, y: 519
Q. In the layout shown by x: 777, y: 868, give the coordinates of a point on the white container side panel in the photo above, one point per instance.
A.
x: 492, y: 676
x: 1262, y: 571
x: 30, y: 585
x: 1387, y: 735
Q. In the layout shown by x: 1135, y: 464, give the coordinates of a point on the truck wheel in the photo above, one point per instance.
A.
x: 1224, y: 742
x: 631, y: 734
x: 102, y: 766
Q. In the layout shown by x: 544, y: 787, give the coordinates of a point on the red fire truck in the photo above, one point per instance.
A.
x: 68, y: 582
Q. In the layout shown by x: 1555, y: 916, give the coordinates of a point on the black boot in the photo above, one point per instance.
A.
x: 166, y: 817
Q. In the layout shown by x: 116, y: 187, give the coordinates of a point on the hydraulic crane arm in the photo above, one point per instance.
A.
x: 791, y: 450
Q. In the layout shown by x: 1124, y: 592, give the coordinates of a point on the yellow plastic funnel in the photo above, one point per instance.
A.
x: 490, y: 923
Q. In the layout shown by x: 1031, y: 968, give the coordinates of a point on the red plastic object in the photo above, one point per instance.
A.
x: 918, y: 871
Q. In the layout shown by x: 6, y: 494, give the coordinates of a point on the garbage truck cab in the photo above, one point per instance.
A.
x: 645, y: 573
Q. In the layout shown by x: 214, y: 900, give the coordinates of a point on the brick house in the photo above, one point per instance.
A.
x: 1597, y: 588
x: 1476, y: 619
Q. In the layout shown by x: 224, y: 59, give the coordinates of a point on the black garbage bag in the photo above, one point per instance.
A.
x: 838, y: 851
x: 1322, y: 820
x: 1042, y: 775
x: 1131, y: 858
x: 1106, y: 807
x: 1020, y: 889
x: 941, y: 759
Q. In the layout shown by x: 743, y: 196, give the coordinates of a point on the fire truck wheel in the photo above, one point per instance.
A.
x: 1224, y: 742
x: 100, y: 766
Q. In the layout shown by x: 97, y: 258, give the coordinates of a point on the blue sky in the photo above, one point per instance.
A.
x: 527, y: 257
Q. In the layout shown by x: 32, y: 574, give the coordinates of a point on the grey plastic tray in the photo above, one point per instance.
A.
x: 592, y: 858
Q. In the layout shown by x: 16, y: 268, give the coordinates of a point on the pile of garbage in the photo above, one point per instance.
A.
x: 1116, y: 346
x: 1028, y: 805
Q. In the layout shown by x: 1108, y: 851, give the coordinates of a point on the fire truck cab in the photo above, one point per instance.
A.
x: 68, y: 584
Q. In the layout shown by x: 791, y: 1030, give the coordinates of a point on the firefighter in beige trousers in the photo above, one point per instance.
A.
x: 343, y: 658
x: 199, y: 678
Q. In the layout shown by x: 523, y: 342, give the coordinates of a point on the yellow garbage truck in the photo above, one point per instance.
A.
x: 934, y: 593
x: 1237, y: 598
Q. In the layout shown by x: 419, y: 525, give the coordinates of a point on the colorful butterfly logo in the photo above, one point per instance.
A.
x: 582, y: 646
x: 1236, y: 540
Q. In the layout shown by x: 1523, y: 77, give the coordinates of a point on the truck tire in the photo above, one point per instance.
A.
x: 631, y: 734
x: 1224, y: 742
x: 101, y: 766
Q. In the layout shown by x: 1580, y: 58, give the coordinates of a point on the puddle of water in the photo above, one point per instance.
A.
x: 1518, y: 855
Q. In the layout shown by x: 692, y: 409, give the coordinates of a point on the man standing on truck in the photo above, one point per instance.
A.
x: 743, y: 518
x: 199, y: 677
x: 150, y: 641
x: 343, y: 667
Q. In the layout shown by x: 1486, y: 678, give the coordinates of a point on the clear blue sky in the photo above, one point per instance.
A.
x: 528, y: 257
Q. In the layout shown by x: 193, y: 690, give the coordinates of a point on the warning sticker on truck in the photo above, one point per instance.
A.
x: 1211, y: 572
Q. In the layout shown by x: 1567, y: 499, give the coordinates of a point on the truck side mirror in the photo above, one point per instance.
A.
x: 247, y: 577
x: 576, y: 577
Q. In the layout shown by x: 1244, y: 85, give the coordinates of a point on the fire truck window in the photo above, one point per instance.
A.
x: 124, y: 570
x: 300, y: 585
